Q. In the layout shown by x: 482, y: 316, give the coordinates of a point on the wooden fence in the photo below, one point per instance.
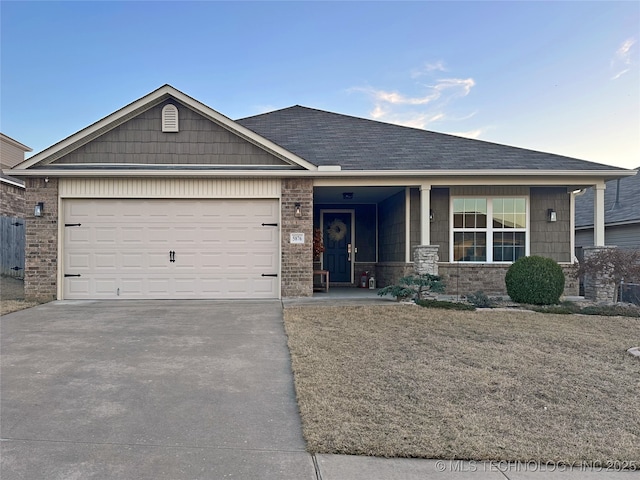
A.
x: 12, y: 244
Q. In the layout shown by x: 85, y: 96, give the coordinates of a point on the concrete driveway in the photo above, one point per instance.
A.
x: 149, y: 390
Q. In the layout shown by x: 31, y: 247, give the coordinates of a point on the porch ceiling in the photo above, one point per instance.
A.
x: 360, y: 194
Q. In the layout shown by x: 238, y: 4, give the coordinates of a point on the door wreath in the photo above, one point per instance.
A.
x: 337, y: 230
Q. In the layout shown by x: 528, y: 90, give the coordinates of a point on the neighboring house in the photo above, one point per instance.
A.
x: 621, y: 214
x: 12, y: 207
x: 167, y: 198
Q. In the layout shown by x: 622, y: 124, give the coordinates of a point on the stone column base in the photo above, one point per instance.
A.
x: 599, y: 287
x: 425, y: 259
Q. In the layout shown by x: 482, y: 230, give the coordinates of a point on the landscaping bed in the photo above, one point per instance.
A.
x: 405, y: 381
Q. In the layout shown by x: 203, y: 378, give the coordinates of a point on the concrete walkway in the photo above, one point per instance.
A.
x: 179, y: 390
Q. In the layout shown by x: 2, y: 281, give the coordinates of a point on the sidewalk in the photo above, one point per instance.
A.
x: 347, y: 467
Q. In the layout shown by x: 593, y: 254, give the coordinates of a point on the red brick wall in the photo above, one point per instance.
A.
x: 297, y: 259
x: 41, y: 258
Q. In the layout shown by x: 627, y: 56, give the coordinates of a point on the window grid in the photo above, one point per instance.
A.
x: 489, y: 229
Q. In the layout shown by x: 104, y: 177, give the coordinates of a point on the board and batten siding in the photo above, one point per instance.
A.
x: 169, y: 188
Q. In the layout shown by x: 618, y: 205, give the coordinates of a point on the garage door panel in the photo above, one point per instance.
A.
x: 158, y: 285
x: 104, y: 235
x: 121, y: 249
x: 105, y: 287
x: 155, y: 260
x: 79, y: 261
x: 78, y: 236
x: 105, y: 261
x: 186, y: 262
x: 130, y: 235
x: 265, y: 260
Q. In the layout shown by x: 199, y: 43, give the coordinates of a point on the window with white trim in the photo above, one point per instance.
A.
x: 489, y: 229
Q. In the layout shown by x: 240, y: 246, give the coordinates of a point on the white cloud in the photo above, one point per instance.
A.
x: 399, y: 99
x: 378, y: 112
x: 428, y: 68
x: 622, y: 59
x: 418, y: 110
x: 412, y: 119
x: 469, y: 134
x: 463, y: 84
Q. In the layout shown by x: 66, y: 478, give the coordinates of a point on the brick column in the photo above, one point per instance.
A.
x: 297, y: 259
x: 425, y: 259
x: 598, y: 288
x: 41, y: 255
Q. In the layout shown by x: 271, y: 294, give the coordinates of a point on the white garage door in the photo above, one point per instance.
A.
x: 173, y: 249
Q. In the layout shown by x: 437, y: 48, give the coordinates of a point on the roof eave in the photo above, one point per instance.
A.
x: 624, y: 223
x: 580, y: 176
x: 15, y: 143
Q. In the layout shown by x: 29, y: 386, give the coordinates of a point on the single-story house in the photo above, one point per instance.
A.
x: 12, y: 208
x: 621, y: 214
x: 167, y: 198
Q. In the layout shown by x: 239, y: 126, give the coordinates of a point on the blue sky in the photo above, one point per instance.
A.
x: 561, y: 77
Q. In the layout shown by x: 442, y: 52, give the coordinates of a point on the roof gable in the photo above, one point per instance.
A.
x: 198, y: 141
x: 110, y: 130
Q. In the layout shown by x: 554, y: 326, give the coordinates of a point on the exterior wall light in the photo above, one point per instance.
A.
x: 37, y: 211
x: 551, y: 215
x: 297, y: 211
x: 431, y: 216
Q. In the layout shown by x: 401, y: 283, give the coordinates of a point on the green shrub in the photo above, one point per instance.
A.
x: 479, y: 300
x: 445, y: 305
x: 414, y: 286
x: 612, y: 310
x: 568, y: 308
x: 565, y: 308
x: 535, y: 280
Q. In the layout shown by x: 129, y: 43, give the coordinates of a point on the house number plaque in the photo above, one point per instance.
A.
x: 297, y: 238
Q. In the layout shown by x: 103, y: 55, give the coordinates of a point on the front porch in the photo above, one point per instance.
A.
x: 375, y: 231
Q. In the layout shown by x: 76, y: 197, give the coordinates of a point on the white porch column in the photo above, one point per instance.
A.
x: 598, y: 215
x: 407, y: 224
x: 425, y: 208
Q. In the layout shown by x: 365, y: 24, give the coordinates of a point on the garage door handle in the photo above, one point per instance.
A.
x: 172, y: 256
x: 269, y: 274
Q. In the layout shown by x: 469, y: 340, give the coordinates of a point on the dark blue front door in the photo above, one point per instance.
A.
x: 337, y: 244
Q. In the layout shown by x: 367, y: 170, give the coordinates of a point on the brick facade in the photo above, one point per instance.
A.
x: 11, y: 200
x: 389, y: 273
x: 297, y: 259
x: 41, y: 259
x: 463, y: 279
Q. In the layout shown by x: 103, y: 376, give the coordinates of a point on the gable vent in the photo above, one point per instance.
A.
x: 170, y: 118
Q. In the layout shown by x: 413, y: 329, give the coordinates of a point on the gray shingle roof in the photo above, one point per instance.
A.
x: 626, y: 210
x: 326, y: 138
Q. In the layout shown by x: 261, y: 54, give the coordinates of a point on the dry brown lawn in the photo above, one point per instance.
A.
x: 12, y: 296
x: 405, y: 381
